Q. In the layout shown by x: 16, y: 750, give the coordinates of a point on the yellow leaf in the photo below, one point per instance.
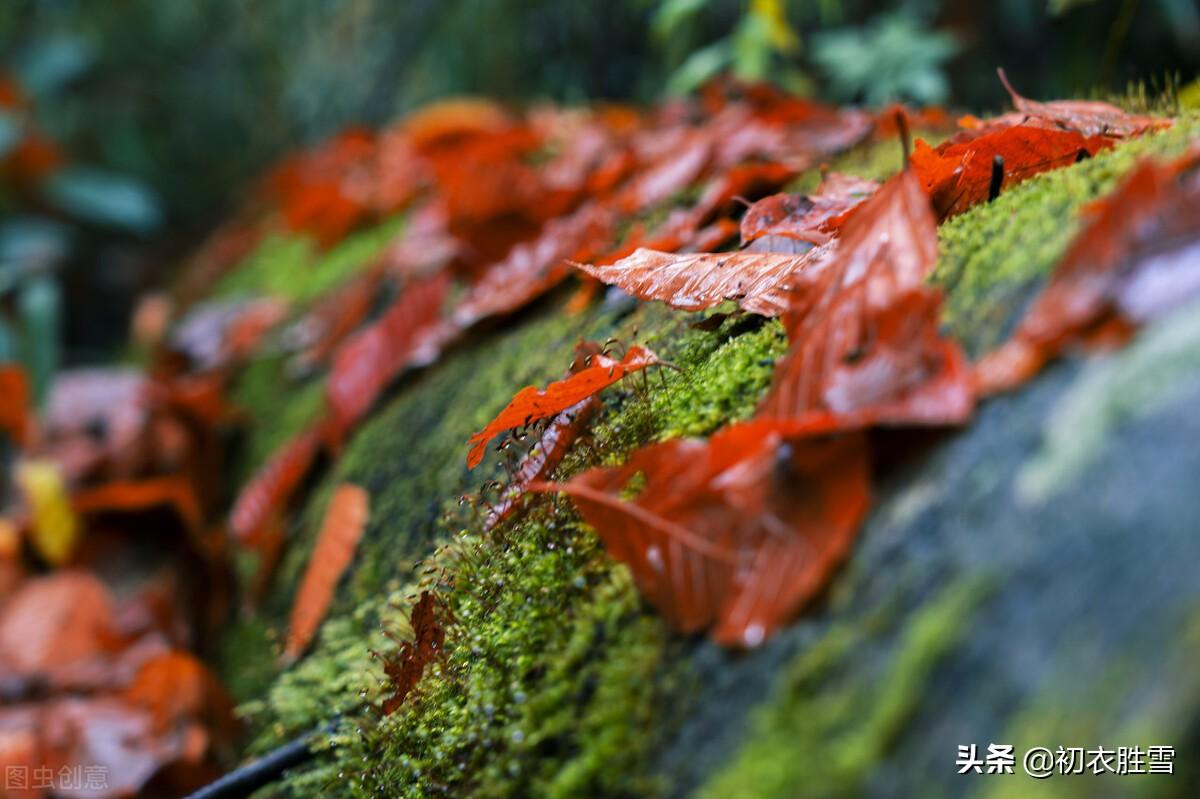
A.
x: 783, y: 38
x: 55, y: 528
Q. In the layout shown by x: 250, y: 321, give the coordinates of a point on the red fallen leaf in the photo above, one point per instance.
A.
x: 407, y: 666
x: 887, y: 123
x: 775, y: 126
x: 327, y: 191
x: 63, y: 618
x: 814, y: 219
x: 267, y: 494
x: 1084, y: 116
x: 1134, y: 260
x: 531, y: 403
x: 736, y: 533
x: 551, y: 445
x: 863, y: 328
x: 958, y: 175
x: 535, y: 267
x: 693, y: 282
x: 14, y: 403
x: 734, y: 187
x: 333, y: 319
x: 123, y: 496
x: 679, y: 166
x: 345, y: 520
x: 407, y: 333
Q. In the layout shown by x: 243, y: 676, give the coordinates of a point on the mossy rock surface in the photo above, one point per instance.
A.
x: 1014, y: 583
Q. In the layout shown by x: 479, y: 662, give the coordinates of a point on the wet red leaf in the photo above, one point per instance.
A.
x: 531, y: 404
x: 958, y: 175
x: 735, y: 533
x: 863, y: 329
x: 406, y: 334
x: 533, y: 268
x: 550, y: 445
x: 343, y: 526
x: 760, y: 282
x: 53, y: 621
x: 813, y: 219
x: 1134, y: 260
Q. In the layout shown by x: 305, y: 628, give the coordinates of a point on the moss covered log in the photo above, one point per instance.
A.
x: 560, y: 682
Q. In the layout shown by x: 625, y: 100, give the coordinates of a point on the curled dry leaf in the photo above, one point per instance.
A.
x: 735, y: 533
x: 1134, y: 260
x: 531, y: 404
x: 1088, y: 117
x: 343, y: 526
x: 958, y: 176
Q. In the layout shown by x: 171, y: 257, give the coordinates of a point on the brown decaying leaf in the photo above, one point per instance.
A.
x: 735, y: 533
x: 343, y: 526
x: 407, y: 666
x: 1134, y: 260
x: 531, y: 404
x: 957, y: 176
x: 1085, y: 116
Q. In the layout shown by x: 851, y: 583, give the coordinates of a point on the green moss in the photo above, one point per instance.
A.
x: 994, y: 256
x: 290, y: 266
x: 278, y: 407
x: 555, y: 671
x: 830, y: 719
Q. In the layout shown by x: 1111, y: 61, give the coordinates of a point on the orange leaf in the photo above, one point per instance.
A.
x: 736, y: 533
x: 531, y: 404
x: 958, y: 175
x: 551, y: 445
x: 269, y: 491
x: 124, y: 496
x: 343, y: 526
